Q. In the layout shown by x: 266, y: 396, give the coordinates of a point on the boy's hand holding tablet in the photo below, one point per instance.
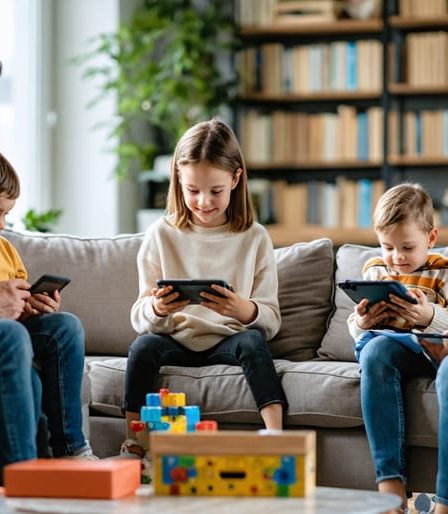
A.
x: 378, y: 300
x: 376, y: 290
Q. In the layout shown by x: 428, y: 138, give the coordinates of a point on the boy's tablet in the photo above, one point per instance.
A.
x: 191, y: 289
x: 49, y: 284
x: 375, y: 290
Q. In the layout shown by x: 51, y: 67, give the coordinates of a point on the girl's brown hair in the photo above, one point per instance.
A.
x: 215, y: 142
x: 402, y: 203
x: 9, y: 181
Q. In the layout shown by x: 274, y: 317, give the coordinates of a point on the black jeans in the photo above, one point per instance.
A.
x: 247, y: 349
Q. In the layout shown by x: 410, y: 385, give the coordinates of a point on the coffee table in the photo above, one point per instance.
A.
x: 325, y: 500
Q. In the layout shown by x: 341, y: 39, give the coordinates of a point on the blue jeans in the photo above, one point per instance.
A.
x: 55, y: 344
x: 442, y: 396
x: 247, y: 349
x: 385, y: 366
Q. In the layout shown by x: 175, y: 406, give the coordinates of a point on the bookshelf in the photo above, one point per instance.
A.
x: 324, y: 106
x: 418, y: 91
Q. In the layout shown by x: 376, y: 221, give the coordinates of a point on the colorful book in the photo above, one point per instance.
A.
x: 352, y: 64
x: 363, y: 136
x: 365, y: 203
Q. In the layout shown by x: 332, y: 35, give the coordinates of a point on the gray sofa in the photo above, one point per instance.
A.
x: 313, y: 354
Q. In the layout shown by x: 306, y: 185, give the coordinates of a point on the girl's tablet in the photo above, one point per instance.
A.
x: 191, y: 289
x: 375, y: 290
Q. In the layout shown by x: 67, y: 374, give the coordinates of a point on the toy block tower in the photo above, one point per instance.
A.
x: 168, y: 412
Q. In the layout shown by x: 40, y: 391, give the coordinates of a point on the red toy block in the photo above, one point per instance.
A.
x: 70, y: 478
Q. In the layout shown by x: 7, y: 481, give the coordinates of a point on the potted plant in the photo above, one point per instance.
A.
x: 164, y: 67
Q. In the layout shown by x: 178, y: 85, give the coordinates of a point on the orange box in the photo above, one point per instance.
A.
x: 70, y: 478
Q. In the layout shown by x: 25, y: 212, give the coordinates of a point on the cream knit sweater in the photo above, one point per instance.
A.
x: 245, y: 260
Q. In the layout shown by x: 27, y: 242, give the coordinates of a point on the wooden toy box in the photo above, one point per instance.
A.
x: 234, y: 463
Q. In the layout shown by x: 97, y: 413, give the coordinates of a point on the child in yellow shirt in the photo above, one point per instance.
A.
x: 33, y: 331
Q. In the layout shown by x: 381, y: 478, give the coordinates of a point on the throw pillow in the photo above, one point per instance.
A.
x: 305, y: 273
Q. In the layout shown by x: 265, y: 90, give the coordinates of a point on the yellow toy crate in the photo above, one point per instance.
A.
x: 234, y: 463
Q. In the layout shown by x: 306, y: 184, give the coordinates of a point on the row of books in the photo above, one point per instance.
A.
x: 283, y: 138
x: 273, y: 68
x: 343, y: 203
x: 426, y: 58
x: 424, y: 133
x: 252, y: 13
x: 423, y: 9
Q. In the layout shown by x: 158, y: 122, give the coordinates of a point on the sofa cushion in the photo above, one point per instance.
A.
x: 337, y: 343
x: 320, y: 394
x: 305, y: 272
x: 104, y: 281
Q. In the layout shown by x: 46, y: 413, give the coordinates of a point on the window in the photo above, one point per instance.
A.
x: 23, y: 138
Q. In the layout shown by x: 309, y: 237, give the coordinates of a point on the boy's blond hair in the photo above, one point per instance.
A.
x: 403, y: 203
x: 214, y: 142
x: 9, y: 181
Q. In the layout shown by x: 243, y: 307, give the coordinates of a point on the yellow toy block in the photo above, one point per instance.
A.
x: 230, y: 463
x: 176, y: 400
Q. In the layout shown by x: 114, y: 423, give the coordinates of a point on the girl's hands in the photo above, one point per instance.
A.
x: 42, y: 303
x: 368, y: 316
x: 230, y: 304
x: 164, y: 301
x: 420, y: 314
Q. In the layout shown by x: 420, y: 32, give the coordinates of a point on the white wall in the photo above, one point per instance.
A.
x: 94, y: 203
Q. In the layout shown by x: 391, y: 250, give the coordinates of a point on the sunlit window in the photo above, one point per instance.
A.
x: 20, y: 92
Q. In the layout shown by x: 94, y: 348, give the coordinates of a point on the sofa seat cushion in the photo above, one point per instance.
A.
x: 324, y: 394
x: 320, y: 394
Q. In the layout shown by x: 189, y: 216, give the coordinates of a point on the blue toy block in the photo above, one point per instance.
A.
x: 153, y: 400
x: 159, y: 426
x: 151, y: 414
x: 193, y: 415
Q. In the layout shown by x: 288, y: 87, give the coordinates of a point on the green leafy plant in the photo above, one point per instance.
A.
x: 40, y: 221
x: 164, y: 68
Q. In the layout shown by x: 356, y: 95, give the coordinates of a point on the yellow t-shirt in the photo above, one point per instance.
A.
x: 11, y: 265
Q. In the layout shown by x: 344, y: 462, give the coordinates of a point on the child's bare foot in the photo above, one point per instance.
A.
x: 394, y: 486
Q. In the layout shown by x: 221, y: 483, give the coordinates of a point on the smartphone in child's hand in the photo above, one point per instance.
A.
x: 191, y: 289
x: 48, y: 284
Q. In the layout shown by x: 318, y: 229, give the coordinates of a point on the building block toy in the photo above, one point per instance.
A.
x: 71, y: 478
x: 234, y: 463
x: 165, y: 411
